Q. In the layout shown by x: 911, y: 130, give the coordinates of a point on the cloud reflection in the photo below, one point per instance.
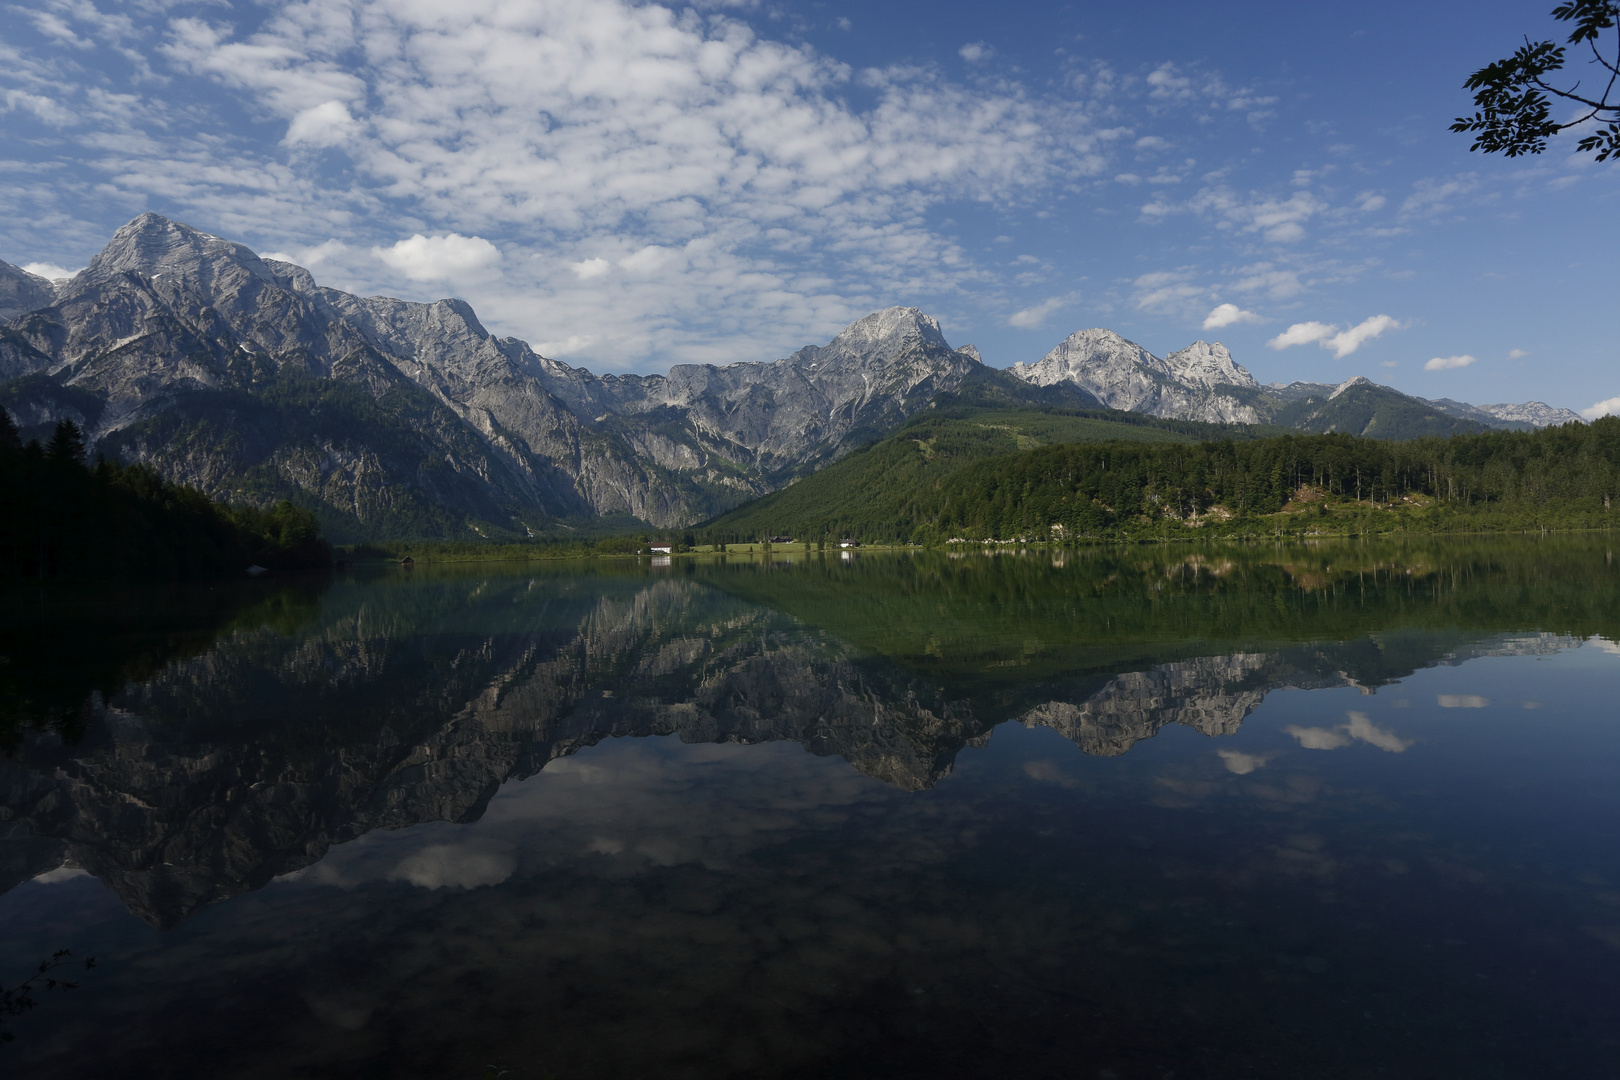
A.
x: 1359, y: 728
x: 1242, y: 764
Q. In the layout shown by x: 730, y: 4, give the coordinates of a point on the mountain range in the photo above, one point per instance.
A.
x: 241, y: 376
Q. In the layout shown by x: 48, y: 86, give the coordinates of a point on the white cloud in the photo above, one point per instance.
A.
x: 1517, y: 354
x: 1462, y: 701
x: 1281, y: 221
x: 754, y: 194
x: 1342, y: 342
x: 1033, y: 318
x: 1446, y: 363
x: 1167, y: 291
x: 1277, y: 283
x: 1607, y: 407
x: 45, y: 109
x: 975, y: 51
x: 440, y: 258
x: 1430, y: 197
x: 1302, y: 334
x: 326, y: 124
x: 1168, y: 84
x: 1348, y: 341
x: 1228, y: 315
x: 49, y: 271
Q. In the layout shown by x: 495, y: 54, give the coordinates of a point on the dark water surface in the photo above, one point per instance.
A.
x: 1349, y: 810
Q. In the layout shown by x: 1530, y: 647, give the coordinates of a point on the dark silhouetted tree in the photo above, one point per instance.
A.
x: 1514, y: 110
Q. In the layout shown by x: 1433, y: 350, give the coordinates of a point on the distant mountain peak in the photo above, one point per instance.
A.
x: 1207, y: 365
x: 1123, y: 375
x: 21, y: 291
x: 886, y: 333
x: 152, y: 244
x: 1351, y: 383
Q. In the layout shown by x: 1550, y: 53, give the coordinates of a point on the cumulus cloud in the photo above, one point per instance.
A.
x: 1281, y: 221
x: 1462, y: 701
x: 975, y: 51
x: 1606, y: 407
x: 1347, y: 342
x: 326, y: 124
x: 1228, y: 315
x: 747, y: 194
x: 1517, y: 354
x: 1302, y: 334
x: 1446, y: 363
x: 440, y: 258
x: 49, y: 271
x: 1033, y: 318
x: 1328, y: 336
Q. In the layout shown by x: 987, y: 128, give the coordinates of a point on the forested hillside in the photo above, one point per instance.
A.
x: 936, y: 481
x: 898, y: 478
x: 60, y: 518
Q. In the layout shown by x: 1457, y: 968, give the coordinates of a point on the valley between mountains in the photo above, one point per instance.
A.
x: 242, y: 377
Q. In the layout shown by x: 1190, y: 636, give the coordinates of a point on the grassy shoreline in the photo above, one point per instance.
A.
x: 1293, y: 526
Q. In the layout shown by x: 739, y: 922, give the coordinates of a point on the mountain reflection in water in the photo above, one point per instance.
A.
x: 301, y: 734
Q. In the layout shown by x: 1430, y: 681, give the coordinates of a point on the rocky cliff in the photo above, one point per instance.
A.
x: 245, y: 378
x: 242, y: 376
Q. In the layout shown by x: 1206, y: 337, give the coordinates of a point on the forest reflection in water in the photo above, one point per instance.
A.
x: 352, y: 766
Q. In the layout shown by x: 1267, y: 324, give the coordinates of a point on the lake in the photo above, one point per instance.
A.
x: 1349, y: 810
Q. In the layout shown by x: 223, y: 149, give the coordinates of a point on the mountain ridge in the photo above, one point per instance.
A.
x: 242, y: 376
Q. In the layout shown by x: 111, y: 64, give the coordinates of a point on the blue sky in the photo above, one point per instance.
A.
x: 632, y: 185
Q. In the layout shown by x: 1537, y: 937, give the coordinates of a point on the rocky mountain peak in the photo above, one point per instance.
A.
x: 1349, y: 384
x: 21, y: 291
x: 886, y: 334
x: 1536, y: 413
x: 1203, y: 364
x: 152, y: 245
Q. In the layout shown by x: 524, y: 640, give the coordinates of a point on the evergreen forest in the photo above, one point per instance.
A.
x: 984, y: 477
x: 63, y: 518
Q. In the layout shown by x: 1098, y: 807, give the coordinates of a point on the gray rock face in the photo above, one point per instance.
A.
x: 1203, y: 382
x: 1535, y: 413
x: 21, y: 291
x: 1200, y: 382
x: 1528, y: 416
x: 182, y: 341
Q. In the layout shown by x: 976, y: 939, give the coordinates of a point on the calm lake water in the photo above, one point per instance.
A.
x: 1348, y: 810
